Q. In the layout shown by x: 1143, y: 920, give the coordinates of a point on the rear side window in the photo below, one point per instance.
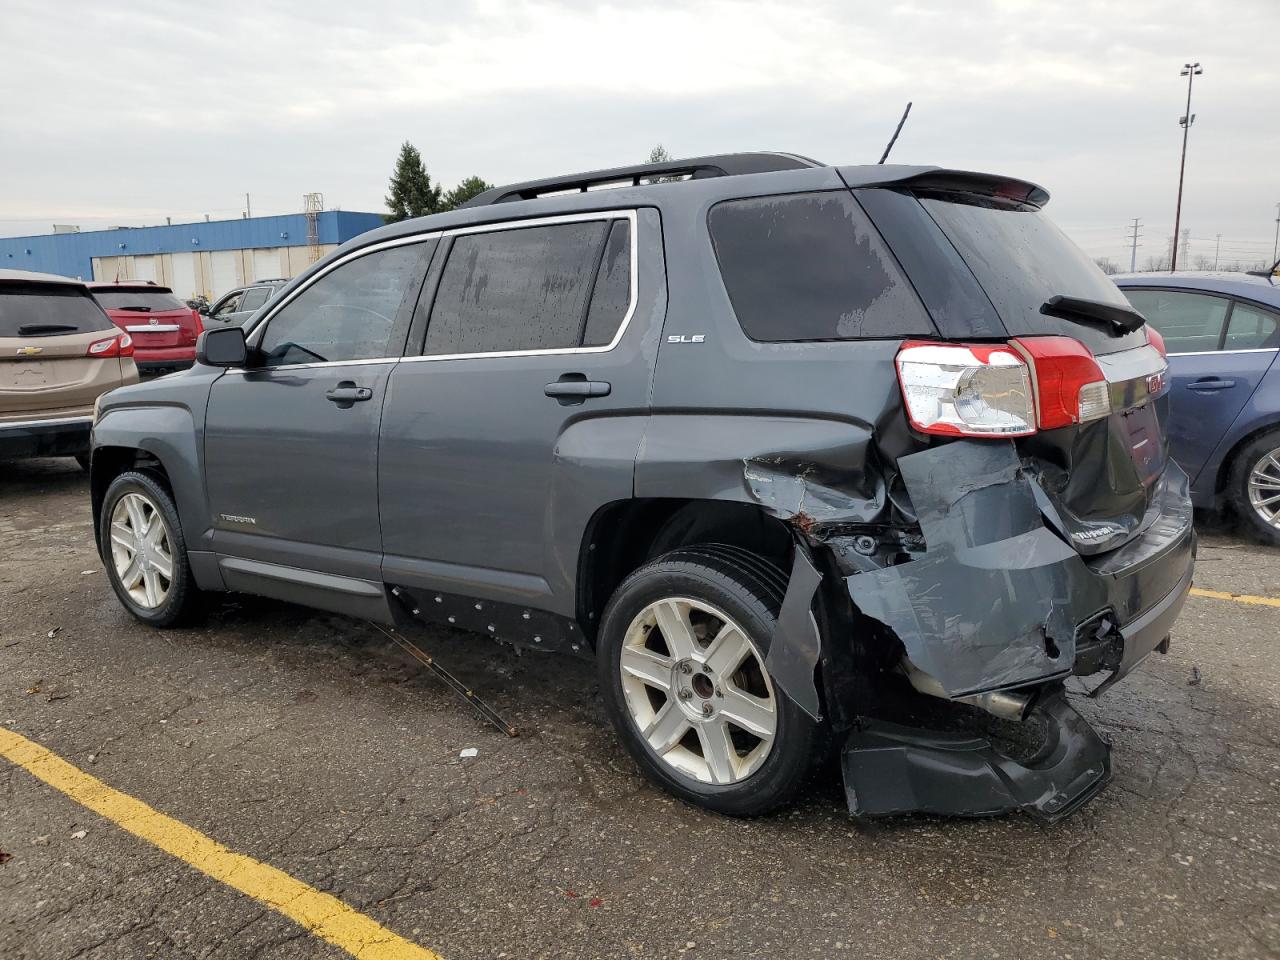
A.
x: 349, y: 313
x: 532, y: 288
x: 142, y: 300
x: 48, y: 310
x: 1189, y: 322
x: 811, y: 267
x: 254, y: 298
x: 1251, y: 328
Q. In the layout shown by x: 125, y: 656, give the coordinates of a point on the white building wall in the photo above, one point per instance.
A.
x: 212, y: 273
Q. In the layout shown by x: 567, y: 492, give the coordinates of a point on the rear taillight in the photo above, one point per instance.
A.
x: 1157, y: 341
x: 1001, y: 390
x: 120, y: 345
x: 195, y: 318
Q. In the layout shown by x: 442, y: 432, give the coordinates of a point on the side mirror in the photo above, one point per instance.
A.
x: 204, y: 309
x: 222, y: 347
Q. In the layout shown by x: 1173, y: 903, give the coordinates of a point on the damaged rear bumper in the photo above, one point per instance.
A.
x: 999, y: 601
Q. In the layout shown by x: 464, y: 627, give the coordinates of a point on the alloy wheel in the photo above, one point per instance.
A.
x: 140, y: 550
x: 1264, y: 488
x: 696, y: 688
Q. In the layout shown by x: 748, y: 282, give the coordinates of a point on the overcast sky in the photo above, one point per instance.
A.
x: 128, y: 112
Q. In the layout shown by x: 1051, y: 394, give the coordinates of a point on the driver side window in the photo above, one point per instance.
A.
x: 230, y: 305
x: 348, y: 314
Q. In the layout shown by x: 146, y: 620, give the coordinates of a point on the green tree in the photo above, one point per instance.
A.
x: 659, y: 154
x: 412, y: 194
x: 463, y: 192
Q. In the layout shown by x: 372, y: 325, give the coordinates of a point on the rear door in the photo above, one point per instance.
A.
x: 291, y: 443
x: 46, y: 368
x: 1219, y: 350
x: 510, y: 430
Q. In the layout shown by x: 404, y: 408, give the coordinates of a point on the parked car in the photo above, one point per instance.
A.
x: 238, y: 305
x: 164, y: 329
x: 1222, y: 331
x: 799, y: 454
x: 58, y: 353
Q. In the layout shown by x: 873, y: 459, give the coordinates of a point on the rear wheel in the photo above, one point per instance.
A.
x: 682, y: 667
x: 1255, y: 486
x: 145, y: 553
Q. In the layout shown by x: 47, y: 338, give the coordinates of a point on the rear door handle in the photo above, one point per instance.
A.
x: 346, y: 393
x: 575, y: 390
x: 1210, y: 384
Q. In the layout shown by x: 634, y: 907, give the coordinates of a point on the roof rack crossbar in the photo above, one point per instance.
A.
x: 697, y: 168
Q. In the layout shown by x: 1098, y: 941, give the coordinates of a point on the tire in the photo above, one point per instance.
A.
x: 693, y: 746
x: 137, y: 499
x: 1255, y: 476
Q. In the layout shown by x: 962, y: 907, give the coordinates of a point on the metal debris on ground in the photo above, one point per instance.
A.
x: 452, y: 682
x: 1195, y: 678
x: 468, y: 753
x: 53, y: 631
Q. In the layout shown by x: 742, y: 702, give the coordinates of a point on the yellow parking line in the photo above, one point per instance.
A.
x: 324, y: 916
x: 1237, y: 597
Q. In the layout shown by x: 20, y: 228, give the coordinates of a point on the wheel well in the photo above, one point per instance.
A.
x: 1229, y: 461
x: 624, y: 535
x: 108, y: 463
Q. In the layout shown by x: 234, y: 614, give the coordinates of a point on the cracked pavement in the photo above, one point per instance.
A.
x: 310, y: 743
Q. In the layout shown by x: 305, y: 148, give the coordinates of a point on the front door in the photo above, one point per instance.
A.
x: 525, y: 410
x: 291, y: 442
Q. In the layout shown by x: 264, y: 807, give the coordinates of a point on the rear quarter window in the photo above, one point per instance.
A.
x: 48, y: 310
x: 811, y: 267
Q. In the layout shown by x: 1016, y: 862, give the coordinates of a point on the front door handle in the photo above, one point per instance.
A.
x: 346, y: 393
x: 1209, y: 384
x: 575, y: 388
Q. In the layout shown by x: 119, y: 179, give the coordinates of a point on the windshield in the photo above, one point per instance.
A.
x: 48, y: 310
x: 1021, y: 259
x: 141, y: 299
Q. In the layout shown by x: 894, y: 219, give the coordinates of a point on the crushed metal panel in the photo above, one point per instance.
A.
x: 987, y: 605
x: 797, y: 643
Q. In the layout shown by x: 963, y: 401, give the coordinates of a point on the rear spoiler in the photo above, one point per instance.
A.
x: 947, y: 181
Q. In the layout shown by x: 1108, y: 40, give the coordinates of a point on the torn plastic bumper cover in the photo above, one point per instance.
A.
x: 995, y: 602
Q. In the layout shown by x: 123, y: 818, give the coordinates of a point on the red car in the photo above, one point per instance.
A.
x: 164, y: 329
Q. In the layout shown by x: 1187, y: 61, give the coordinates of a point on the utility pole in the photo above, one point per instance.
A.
x: 248, y: 210
x: 1190, y: 71
x: 1275, y: 250
x: 1217, y: 245
x: 1133, y: 249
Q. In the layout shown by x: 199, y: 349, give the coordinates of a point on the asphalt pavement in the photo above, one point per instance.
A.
x: 310, y: 744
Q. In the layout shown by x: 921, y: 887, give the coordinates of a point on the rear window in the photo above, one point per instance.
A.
x: 48, y: 310
x: 1021, y: 259
x: 143, y: 300
x: 811, y: 266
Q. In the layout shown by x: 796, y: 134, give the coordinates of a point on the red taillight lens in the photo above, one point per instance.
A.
x: 1070, y: 386
x: 1157, y: 341
x: 199, y: 324
x: 120, y: 345
x: 1001, y: 390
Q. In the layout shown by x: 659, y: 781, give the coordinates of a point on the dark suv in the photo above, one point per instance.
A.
x: 800, y: 454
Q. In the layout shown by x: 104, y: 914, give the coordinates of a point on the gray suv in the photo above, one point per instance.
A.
x: 810, y: 459
x: 238, y: 305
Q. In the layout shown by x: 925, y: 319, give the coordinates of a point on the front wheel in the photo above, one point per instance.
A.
x: 1255, y: 486
x: 145, y: 553
x: 682, y: 668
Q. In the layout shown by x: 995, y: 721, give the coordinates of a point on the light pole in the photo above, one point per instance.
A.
x: 1190, y: 71
x: 1275, y: 250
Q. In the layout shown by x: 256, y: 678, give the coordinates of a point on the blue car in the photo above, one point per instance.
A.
x: 1222, y: 331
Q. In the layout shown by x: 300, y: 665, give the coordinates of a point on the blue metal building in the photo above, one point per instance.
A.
x: 208, y: 256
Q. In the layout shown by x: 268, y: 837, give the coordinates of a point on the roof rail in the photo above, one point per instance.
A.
x: 696, y: 168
